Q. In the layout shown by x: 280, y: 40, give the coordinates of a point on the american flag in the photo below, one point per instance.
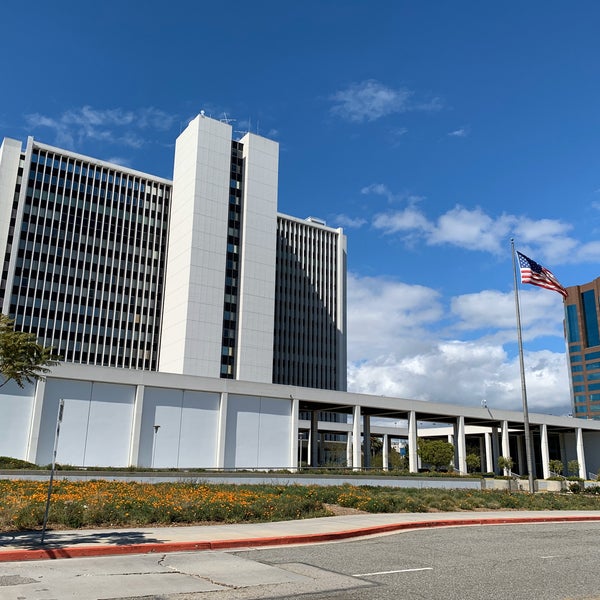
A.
x: 534, y: 273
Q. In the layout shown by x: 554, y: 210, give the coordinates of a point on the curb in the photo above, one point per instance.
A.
x: 311, y: 538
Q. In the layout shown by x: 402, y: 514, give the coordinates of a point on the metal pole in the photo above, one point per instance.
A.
x: 528, y: 452
x: 61, y: 406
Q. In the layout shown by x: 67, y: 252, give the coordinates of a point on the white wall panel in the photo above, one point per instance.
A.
x: 187, y: 434
x: 109, y: 425
x: 241, y: 433
x: 16, y: 406
x: 199, y: 423
x: 73, y: 430
x: 274, y: 432
x: 96, y: 424
x: 257, y: 433
x: 162, y: 407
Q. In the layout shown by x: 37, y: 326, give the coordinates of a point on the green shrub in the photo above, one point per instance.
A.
x: 7, y: 462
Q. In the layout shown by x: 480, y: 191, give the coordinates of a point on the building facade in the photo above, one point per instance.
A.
x: 164, y: 420
x: 582, y: 333
x: 197, y: 276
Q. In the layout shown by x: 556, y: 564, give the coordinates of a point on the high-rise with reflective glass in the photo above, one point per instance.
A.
x: 582, y: 333
x: 199, y: 275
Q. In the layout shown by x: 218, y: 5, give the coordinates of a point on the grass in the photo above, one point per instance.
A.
x: 100, y: 503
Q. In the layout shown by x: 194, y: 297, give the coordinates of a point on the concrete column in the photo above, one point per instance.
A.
x: 412, y: 442
x: 36, y: 422
x: 545, y: 451
x: 308, y: 447
x: 221, y: 433
x: 505, y: 442
x: 495, y: 450
x: 349, y: 449
x: 294, y: 434
x: 489, y: 454
x: 314, y: 438
x: 367, y: 441
x: 386, y: 451
x: 461, y: 444
x: 521, y: 460
x: 580, y: 453
x: 450, y: 440
x: 563, y: 452
x: 136, y: 427
x: 356, y: 455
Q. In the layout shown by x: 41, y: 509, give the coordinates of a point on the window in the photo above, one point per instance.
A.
x: 590, y: 318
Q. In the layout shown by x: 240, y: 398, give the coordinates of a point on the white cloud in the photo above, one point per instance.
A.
x: 541, y: 313
x: 116, y: 126
x: 118, y: 160
x: 388, y: 316
x: 462, y: 132
x: 370, y: 100
x: 380, y: 189
x: 348, y: 222
x: 545, y: 240
x: 402, y: 342
x: 407, y: 220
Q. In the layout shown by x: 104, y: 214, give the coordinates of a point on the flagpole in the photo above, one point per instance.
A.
x: 528, y: 452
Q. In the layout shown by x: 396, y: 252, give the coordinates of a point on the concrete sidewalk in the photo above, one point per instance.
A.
x: 20, y: 546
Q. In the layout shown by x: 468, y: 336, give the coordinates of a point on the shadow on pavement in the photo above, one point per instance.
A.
x: 31, y: 539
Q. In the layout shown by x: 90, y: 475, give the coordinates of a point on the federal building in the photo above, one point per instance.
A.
x: 197, y: 325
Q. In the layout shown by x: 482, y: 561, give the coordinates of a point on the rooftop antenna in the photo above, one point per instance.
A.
x: 226, y: 119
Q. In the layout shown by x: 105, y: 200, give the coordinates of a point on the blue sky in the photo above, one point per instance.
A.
x: 433, y: 132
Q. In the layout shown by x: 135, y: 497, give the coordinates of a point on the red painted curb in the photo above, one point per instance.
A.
x: 310, y: 538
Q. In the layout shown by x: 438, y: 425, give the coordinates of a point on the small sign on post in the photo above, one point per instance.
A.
x: 61, y: 406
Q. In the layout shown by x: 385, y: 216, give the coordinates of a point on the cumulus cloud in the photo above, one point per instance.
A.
x: 460, y: 133
x: 547, y: 240
x: 541, y: 314
x: 404, y: 342
x: 349, y: 222
x: 370, y: 100
x: 116, y: 125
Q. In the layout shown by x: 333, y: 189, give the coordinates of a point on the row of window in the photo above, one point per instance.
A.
x: 69, y: 165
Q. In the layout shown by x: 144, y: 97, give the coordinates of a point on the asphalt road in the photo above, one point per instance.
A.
x: 529, y: 562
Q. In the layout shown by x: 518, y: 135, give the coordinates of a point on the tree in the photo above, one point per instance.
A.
x: 473, y: 462
x: 556, y: 467
x: 435, y: 453
x: 506, y: 463
x: 22, y: 359
x: 573, y: 468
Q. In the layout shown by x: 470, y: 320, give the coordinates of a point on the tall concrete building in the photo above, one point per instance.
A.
x: 199, y: 276
x: 582, y: 332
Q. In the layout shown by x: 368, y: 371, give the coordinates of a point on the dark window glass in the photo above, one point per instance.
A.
x: 591, y: 318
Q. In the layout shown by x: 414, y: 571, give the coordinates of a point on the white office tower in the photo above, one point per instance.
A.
x: 196, y: 276
x: 82, y: 249
x: 220, y: 283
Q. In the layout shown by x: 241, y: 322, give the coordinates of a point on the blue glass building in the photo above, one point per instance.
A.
x: 582, y: 334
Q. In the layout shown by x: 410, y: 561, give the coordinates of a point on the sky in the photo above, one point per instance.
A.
x: 432, y: 132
